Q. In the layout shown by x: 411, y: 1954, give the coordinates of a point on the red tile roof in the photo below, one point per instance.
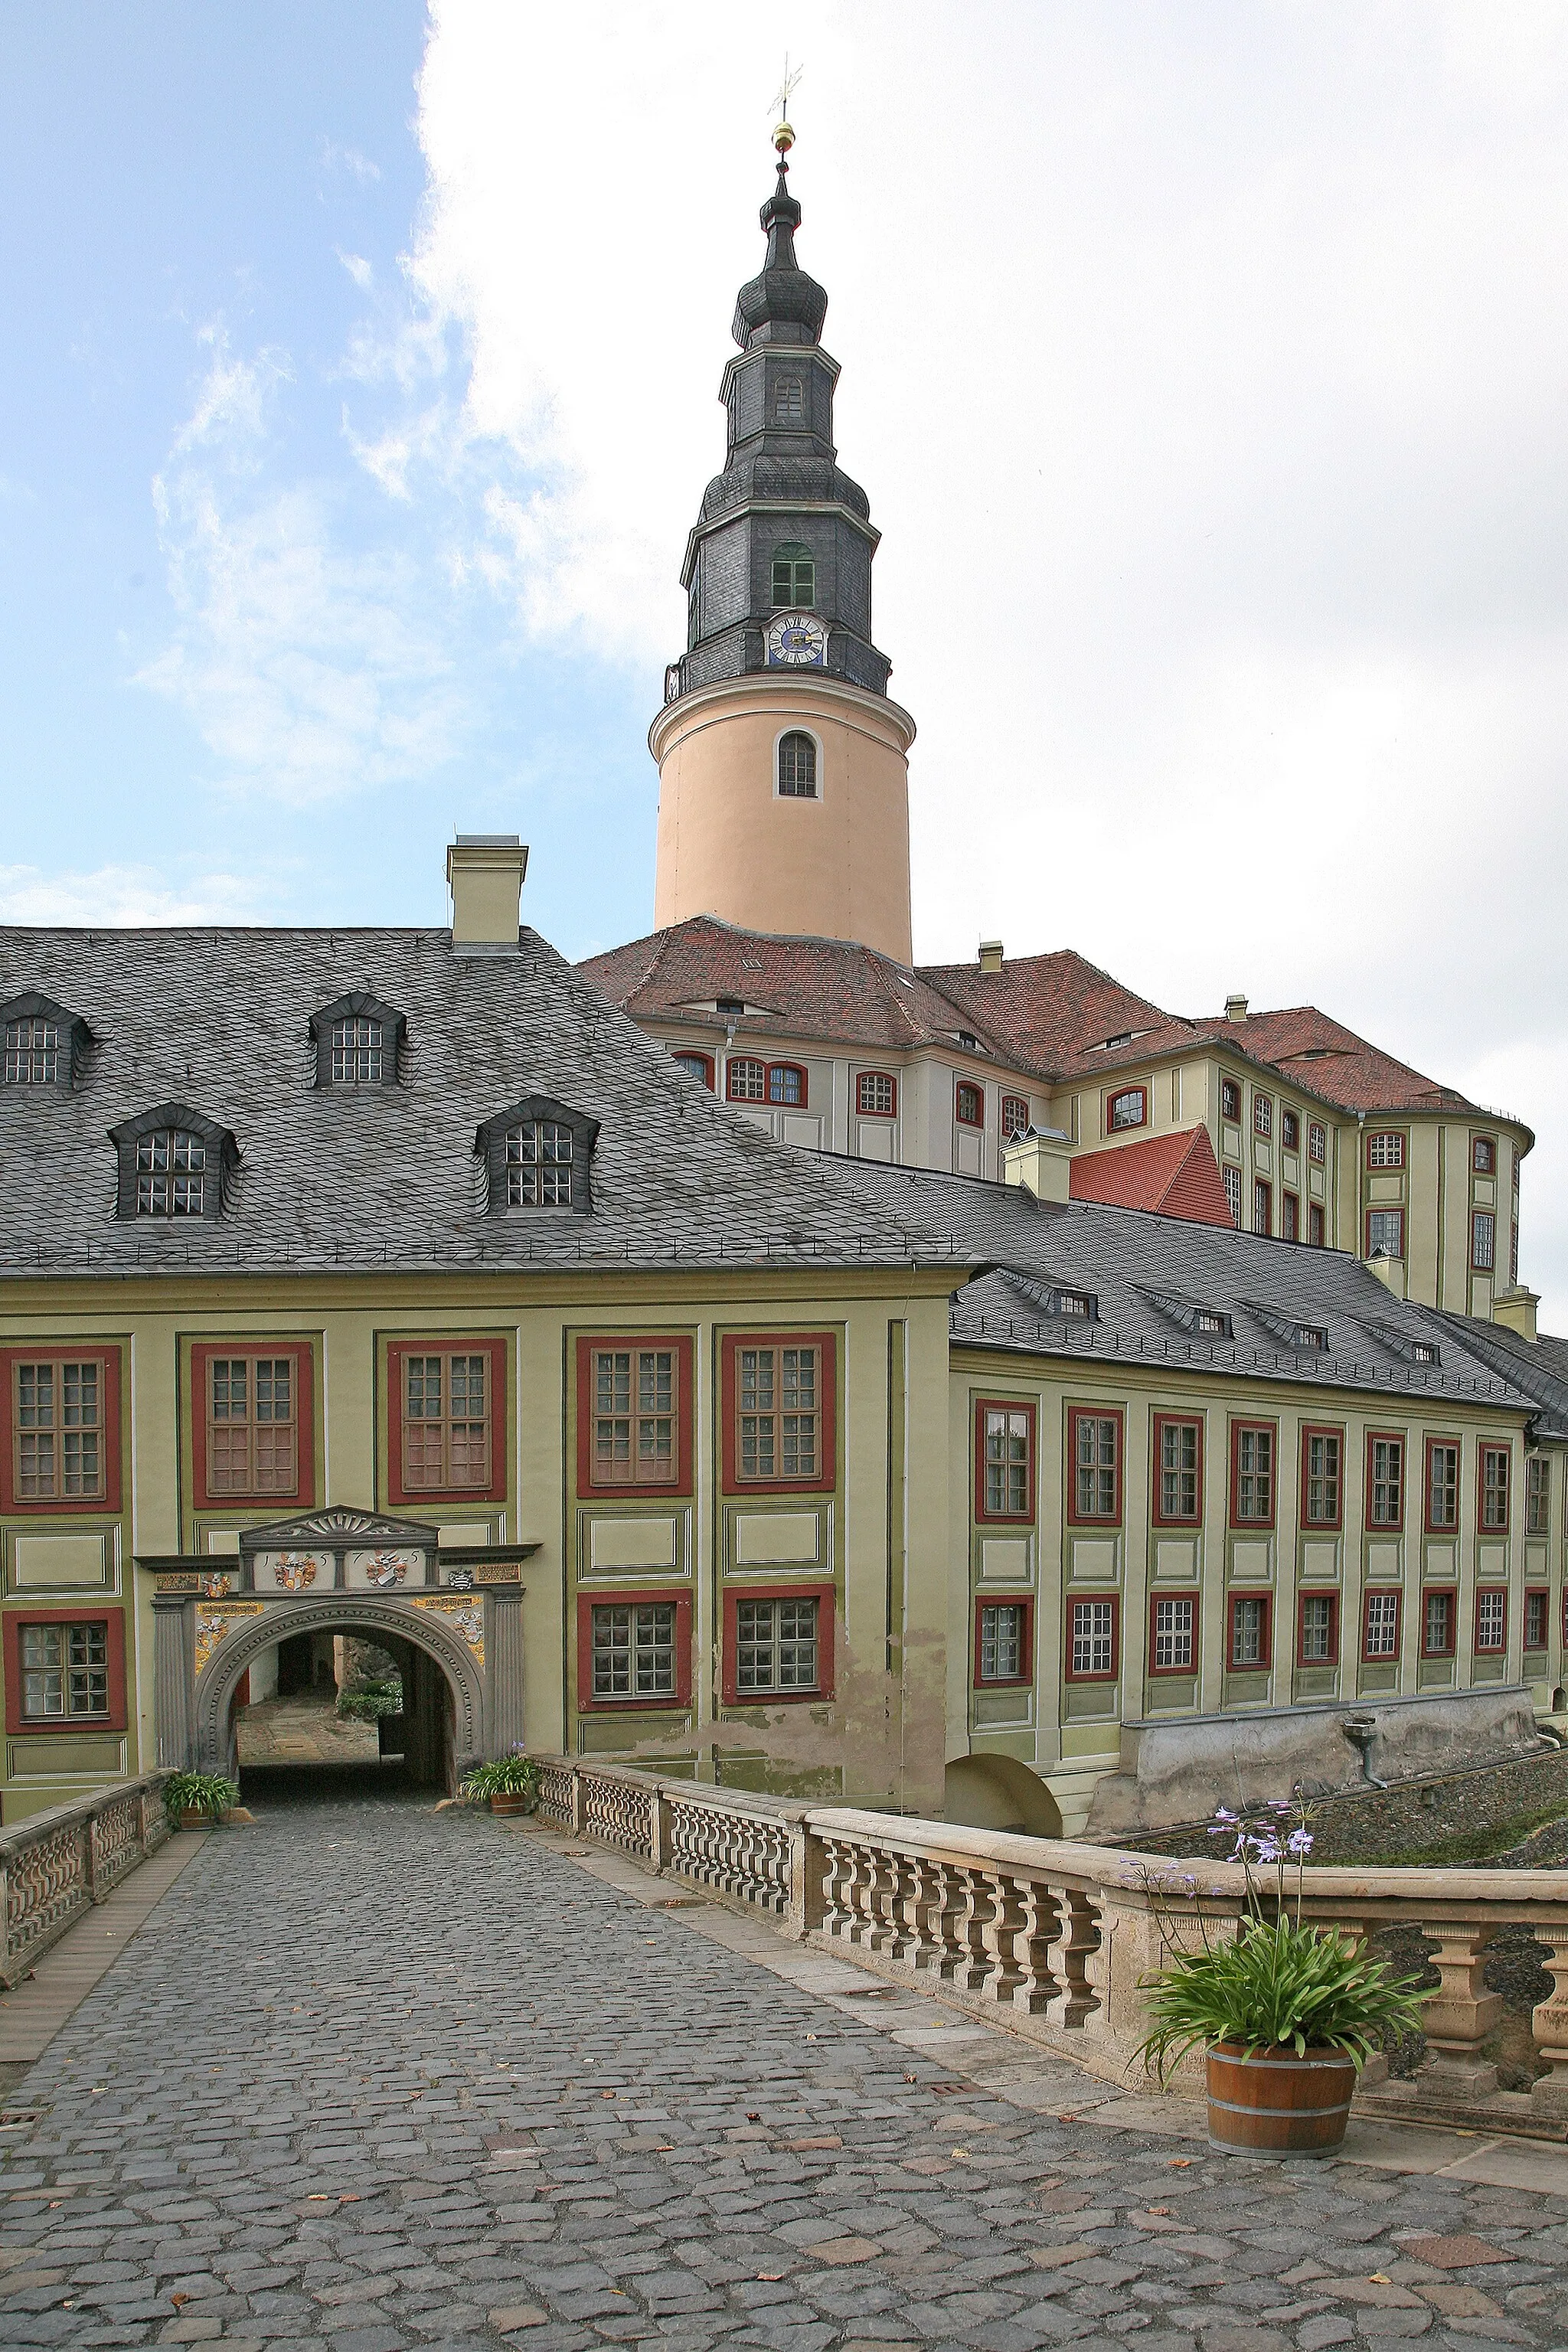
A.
x: 1054, y: 1013
x: 1330, y: 1060
x: 1177, y: 1174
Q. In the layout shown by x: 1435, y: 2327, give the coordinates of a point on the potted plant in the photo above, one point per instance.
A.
x: 1288, y: 2013
x: 510, y: 1782
x: 198, y: 1801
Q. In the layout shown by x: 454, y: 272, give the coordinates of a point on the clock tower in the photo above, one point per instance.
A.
x: 783, y: 763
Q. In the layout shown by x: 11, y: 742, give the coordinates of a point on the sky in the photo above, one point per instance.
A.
x: 1206, y: 368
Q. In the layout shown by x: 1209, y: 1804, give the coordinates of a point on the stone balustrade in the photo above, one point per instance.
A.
x: 60, y: 1863
x: 1053, y: 1939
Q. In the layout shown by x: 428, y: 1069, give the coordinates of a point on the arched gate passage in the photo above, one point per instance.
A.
x: 343, y: 1571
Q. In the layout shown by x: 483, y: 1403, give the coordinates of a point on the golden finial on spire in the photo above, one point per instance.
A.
x: 784, y: 136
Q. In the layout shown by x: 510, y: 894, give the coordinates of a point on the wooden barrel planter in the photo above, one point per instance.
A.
x: 1276, y: 2104
x: 513, y: 1800
x: 194, y: 1818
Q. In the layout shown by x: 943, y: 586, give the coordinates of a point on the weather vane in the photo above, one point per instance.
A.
x: 784, y: 137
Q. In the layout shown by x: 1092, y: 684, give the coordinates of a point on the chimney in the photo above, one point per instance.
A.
x: 1040, y: 1160
x: 1236, y: 1007
x: 1515, y: 1310
x: 989, y: 955
x: 1390, y: 1271
x: 484, y: 875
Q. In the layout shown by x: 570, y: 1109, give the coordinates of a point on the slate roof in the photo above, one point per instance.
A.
x: 386, y: 1175
x: 1142, y: 1267
x: 1540, y: 1367
x: 1177, y: 1174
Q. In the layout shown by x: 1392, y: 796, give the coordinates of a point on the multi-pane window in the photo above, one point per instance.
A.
x: 1008, y: 1482
x: 1379, y: 1637
x: 1315, y: 1224
x: 698, y: 1066
x: 1483, y: 1155
x: 170, y: 1174
x: 1127, y: 1109
x: 876, y: 1095
x: 32, y: 1051
x: 1317, y: 1644
x: 1289, y: 1217
x: 1263, y: 1115
x: 1253, y: 1480
x: 65, y: 1670
x: 1290, y: 1130
x: 786, y: 1083
x: 1385, y: 1481
x: 1385, y: 1232
x: 539, y: 1165
x: 1096, y: 1458
x: 1015, y: 1115
x: 777, y: 1645
x: 446, y: 1421
x: 1173, y: 1645
x: 633, y: 1649
x: 1229, y: 1099
x: 794, y: 576
x: 1437, y: 1610
x: 251, y: 1433
x: 789, y: 399
x: 797, y: 766
x: 1442, y: 1486
x: 1004, y: 1642
x: 1323, y: 1452
x: 358, y: 1054
x: 1494, y: 1486
x: 1317, y: 1141
x: 1091, y: 1639
x: 1538, y: 1494
x: 1537, y: 1602
x: 1232, y: 1195
x: 747, y: 1080
x: 1249, y: 1630
x: 1385, y: 1150
x: 1178, y: 1471
x: 1262, y: 1206
x: 1492, y: 1618
x: 778, y: 1412
x: 969, y: 1104
x: 637, y: 1402
x: 1483, y: 1240
x: 56, y: 1421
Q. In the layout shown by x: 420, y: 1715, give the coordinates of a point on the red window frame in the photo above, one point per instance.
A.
x: 826, y: 1477
x: 1230, y: 1101
x: 1446, y: 1592
x: 84, y: 1613
x: 1075, y: 1600
x: 1481, y: 1218
x: 445, y: 1344
x: 1314, y: 1224
x: 1490, y: 1649
x: 961, y: 1088
x: 1317, y: 1143
x: 685, y: 1356
x: 1023, y: 1600
x: 689, y: 1054
x: 983, y: 1405
x: 1253, y: 1526
x: 1317, y: 1592
x: 1113, y: 1126
x: 1193, y: 1600
x: 632, y: 1704
x: 1483, y: 1155
x: 1259, y: 1665
x: 1015, y: 1118
x: 1262, y: 1116
x: 1537, y: 1491
x: 1505, y: 1526
x: 1263, y: 1197
x: 302, y: 1494
x: 1323, y: 1428
x: 1164, y: 1421
x: 1385, y: 1135
x: 1290, y: 1130
x: 1289, y: 1217
x: 1232, y: 1180
x: 1540, y: 1593
x: 734, y: 1061
x: 826, y: 1599
x: 104, y: 1505
x: 1398, y: 1217
x: 1076, y: 1413
x: 787, y: 1069
x: 1441, y: 1526
x: 862, y: 1107
x: 1387, y: 1437
x: 1375, y: 1592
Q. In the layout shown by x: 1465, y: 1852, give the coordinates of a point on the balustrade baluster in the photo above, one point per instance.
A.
x: 1075, y: 1942
x: 1548, y: 2023
x: 999, y: 1934
x: 1460, y: 2015
x: 976, y: 1899
x: 1036, y: 1987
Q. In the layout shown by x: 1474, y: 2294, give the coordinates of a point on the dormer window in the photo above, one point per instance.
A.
x: 1311, y: 1335
x: 44, y: 1045
x: 1077, y: 1305
x: 174, y: 1163
x: 537, y: 1156
x: 1213, y: 1326
x: 358, y: 1040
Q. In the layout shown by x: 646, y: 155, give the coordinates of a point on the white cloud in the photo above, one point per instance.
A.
x: 117, y: 896
x: 349, y: 159
x: 358, y: 268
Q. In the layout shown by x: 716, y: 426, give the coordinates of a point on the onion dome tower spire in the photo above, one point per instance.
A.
x: 795, y: 827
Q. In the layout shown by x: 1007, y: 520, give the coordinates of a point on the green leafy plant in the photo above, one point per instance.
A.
x: 1281, y: 1983
x: 370, y: 1701
x: 512, y: 1775
x: 199, y: 1792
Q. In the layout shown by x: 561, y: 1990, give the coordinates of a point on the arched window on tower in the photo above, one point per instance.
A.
x: 794, y: 576
x: 797, y: 767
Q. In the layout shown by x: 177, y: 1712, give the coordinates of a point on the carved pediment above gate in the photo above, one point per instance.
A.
x: 337, y: 1528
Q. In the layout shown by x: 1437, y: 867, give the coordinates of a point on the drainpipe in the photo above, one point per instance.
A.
x: 1360, y: 1731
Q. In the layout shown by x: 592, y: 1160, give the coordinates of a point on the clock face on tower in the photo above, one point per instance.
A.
x: 797, y: 641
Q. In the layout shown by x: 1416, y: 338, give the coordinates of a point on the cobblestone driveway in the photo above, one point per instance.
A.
x: 371, y: 2077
